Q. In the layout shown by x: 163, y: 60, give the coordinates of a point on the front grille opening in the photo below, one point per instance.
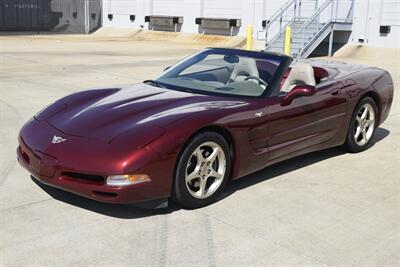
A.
x: 24, y: 155
x: 104, y: 194
x: 83, y: 177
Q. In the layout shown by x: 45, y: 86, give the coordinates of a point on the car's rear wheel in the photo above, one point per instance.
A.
x: 362, y: 126
x: 202, y: 170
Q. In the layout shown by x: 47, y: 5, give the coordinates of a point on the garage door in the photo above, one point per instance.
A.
x: 24, y: 15
x: 72, y: 16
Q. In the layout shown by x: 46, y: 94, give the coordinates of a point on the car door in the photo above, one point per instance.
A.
x: 306, y: 121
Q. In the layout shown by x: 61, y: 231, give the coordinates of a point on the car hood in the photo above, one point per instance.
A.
x: 108, y: 113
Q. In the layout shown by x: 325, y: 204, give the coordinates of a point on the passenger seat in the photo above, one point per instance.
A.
x: 300, y: 74
x: 244, y: 68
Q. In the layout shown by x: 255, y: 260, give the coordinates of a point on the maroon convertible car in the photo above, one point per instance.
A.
x: 212, y: 118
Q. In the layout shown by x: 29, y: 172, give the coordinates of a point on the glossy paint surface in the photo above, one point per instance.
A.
x: 143, y: 129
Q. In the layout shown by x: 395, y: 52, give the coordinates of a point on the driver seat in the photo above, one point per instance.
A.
x: 244, y: 68
x: 300, y: 74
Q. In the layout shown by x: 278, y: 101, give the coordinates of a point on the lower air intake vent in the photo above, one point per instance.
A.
x: 104, y: 194
x: 82, y: 177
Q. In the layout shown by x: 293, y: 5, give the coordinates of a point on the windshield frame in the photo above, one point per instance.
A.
x: 273, y: 85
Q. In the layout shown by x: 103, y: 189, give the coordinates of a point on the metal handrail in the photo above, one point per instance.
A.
x: 278, y: 15
x: 312, y: 19
x: 283, y: 28
x: 306, y: 46
x: 312, y: 26
x: 350, y: 13
x: 316, y: 14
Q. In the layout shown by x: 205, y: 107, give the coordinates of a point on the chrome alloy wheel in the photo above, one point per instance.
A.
x: 205, y: 170
x: 365, y: 124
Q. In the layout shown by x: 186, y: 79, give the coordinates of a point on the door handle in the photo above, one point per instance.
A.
x: 336, y: 92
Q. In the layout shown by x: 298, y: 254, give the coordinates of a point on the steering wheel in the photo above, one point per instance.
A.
x: 258, y: 79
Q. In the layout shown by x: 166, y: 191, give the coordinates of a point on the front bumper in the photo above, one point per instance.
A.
x: 81, y: 166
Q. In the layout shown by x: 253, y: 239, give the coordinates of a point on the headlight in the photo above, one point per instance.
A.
x: 124, y: 180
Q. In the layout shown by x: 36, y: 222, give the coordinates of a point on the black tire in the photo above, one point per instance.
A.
x: 180, y: 192
x: 351, y: 144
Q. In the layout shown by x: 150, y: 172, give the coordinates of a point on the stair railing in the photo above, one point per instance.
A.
x: 279, y: 20
x: 314, y: 26
x: 349, y: 16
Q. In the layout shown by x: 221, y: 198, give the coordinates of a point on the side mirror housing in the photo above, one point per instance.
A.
x: 167, y: 68
x: 297, y: 91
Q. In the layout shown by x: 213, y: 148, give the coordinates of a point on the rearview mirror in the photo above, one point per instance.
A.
x: 297, y: 91
x: 231, y: 59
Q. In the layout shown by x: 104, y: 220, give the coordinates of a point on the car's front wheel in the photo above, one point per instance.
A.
x: 202, y: 170
x: 362, y: 126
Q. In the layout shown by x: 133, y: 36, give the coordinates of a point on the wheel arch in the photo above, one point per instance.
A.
x: 375, y: 96
x: 220, y: 130
x: 224, y: 132
x: 349, y: 143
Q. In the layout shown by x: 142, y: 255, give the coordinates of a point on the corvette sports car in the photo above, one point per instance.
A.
x: 212, y: 118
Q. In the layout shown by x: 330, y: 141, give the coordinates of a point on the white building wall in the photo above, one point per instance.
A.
x: 192, y: 10
x: 368, y: 15
x: 217, y: 9
x: 250, y: 11
x: 168, y: 7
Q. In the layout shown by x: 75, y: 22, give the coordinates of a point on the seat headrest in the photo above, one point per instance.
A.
x: 300, y: 74
x: 245, y: 67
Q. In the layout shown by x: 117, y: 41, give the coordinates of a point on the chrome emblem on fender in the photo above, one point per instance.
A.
x: 258, y: 114
x: 58, y: 139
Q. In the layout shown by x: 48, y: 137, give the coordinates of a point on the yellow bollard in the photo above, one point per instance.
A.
x: 249, y: 39
x: 288, y: 33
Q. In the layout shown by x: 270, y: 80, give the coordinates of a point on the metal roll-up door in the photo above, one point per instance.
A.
x: 24, y: 15
x: 66, y: 16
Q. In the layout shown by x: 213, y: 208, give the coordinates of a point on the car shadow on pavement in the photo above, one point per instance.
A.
x: 121, y: 211
x: 138, y: 211
x: 293, y: 164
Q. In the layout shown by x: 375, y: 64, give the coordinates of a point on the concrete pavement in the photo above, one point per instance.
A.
x: 323, y: 209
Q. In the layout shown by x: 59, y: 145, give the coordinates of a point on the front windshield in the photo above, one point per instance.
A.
x: 230, y: 72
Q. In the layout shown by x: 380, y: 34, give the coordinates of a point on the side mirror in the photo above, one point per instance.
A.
x: 167, y: 68
x: 297, y: 91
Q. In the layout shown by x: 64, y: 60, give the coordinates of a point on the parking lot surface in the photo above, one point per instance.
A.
x: 327, y: 208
